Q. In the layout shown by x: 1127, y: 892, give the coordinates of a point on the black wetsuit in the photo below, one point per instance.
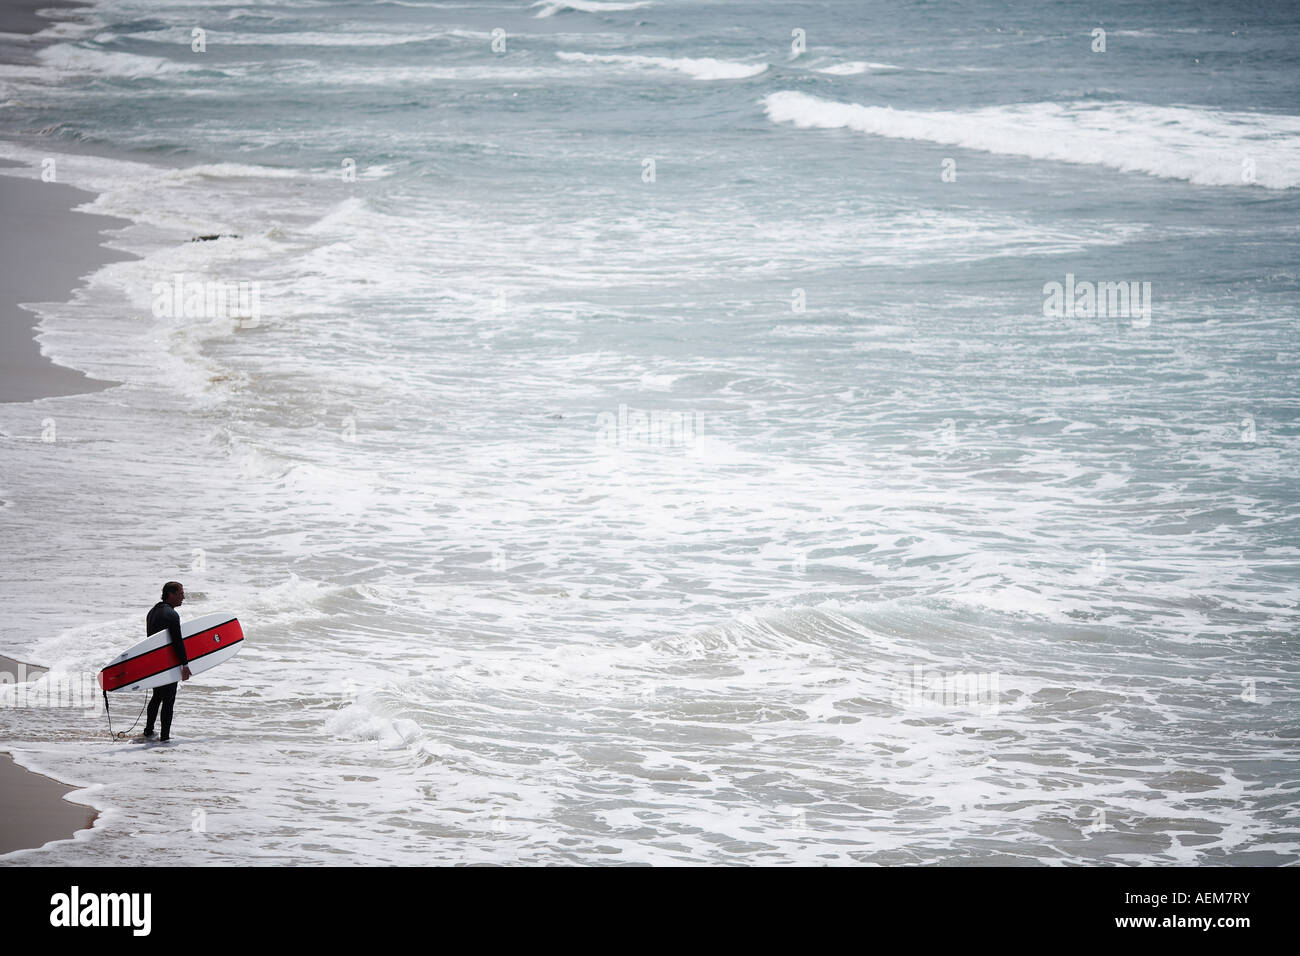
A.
x: 164, y: 616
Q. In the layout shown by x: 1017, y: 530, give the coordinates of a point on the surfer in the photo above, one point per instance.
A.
x: 164, y: 616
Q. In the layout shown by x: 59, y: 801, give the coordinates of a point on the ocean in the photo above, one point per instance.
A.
x: 674, y: 432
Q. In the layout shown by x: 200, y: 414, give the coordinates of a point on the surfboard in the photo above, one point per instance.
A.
x: 209, y: 640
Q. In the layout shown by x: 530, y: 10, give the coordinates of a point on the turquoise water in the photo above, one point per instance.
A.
x: 583, y: 509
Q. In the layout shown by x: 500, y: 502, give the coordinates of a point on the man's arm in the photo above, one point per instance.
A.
x: 174, y: 631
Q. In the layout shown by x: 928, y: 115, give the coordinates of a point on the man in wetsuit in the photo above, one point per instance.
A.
x: 164, y: 617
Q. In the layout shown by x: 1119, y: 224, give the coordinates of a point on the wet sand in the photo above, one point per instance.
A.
x: 45, y: 247
x: 32, y: 809
x: 45, y: 250
x: 19, y: 16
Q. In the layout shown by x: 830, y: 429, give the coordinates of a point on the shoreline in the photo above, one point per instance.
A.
x: 47, y: 249
x: 21, y: 16
x: 35, y: 807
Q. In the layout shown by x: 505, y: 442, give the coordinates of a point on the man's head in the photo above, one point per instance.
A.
x: 174, y: 593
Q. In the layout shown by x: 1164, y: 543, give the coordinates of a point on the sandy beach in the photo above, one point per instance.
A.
x: 34, y: 809
x: 45, y: 249
x: 20, y: 16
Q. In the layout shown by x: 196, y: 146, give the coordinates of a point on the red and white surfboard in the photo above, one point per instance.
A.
x: 209, y: 640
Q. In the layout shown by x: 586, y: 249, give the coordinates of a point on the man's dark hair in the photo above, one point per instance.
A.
x: 171, y: 587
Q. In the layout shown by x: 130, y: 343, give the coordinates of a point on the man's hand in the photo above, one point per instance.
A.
x: 185, y: 672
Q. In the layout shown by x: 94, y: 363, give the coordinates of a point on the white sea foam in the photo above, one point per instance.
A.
x: 230, y: 171
x: 1206, y: 147
x: 504, y: 71
x: 549, y: 8
x: 702, y: 68
x: 347, y: 35
x: 855, y: 67
x: 82, y: 59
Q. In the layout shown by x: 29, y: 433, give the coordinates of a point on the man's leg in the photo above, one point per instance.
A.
x: 152, y: 713
x: 169, y: 698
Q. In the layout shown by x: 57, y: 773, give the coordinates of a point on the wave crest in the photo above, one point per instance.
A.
x: 1206, y: 147
x: 703, y: 68
x: 550, y: 8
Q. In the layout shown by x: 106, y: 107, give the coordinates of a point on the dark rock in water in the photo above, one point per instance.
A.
x: 217, y: 235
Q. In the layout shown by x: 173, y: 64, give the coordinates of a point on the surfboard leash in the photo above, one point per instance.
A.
x: 121, y: 734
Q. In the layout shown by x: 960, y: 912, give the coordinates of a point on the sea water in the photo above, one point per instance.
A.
x: 654, y: 441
